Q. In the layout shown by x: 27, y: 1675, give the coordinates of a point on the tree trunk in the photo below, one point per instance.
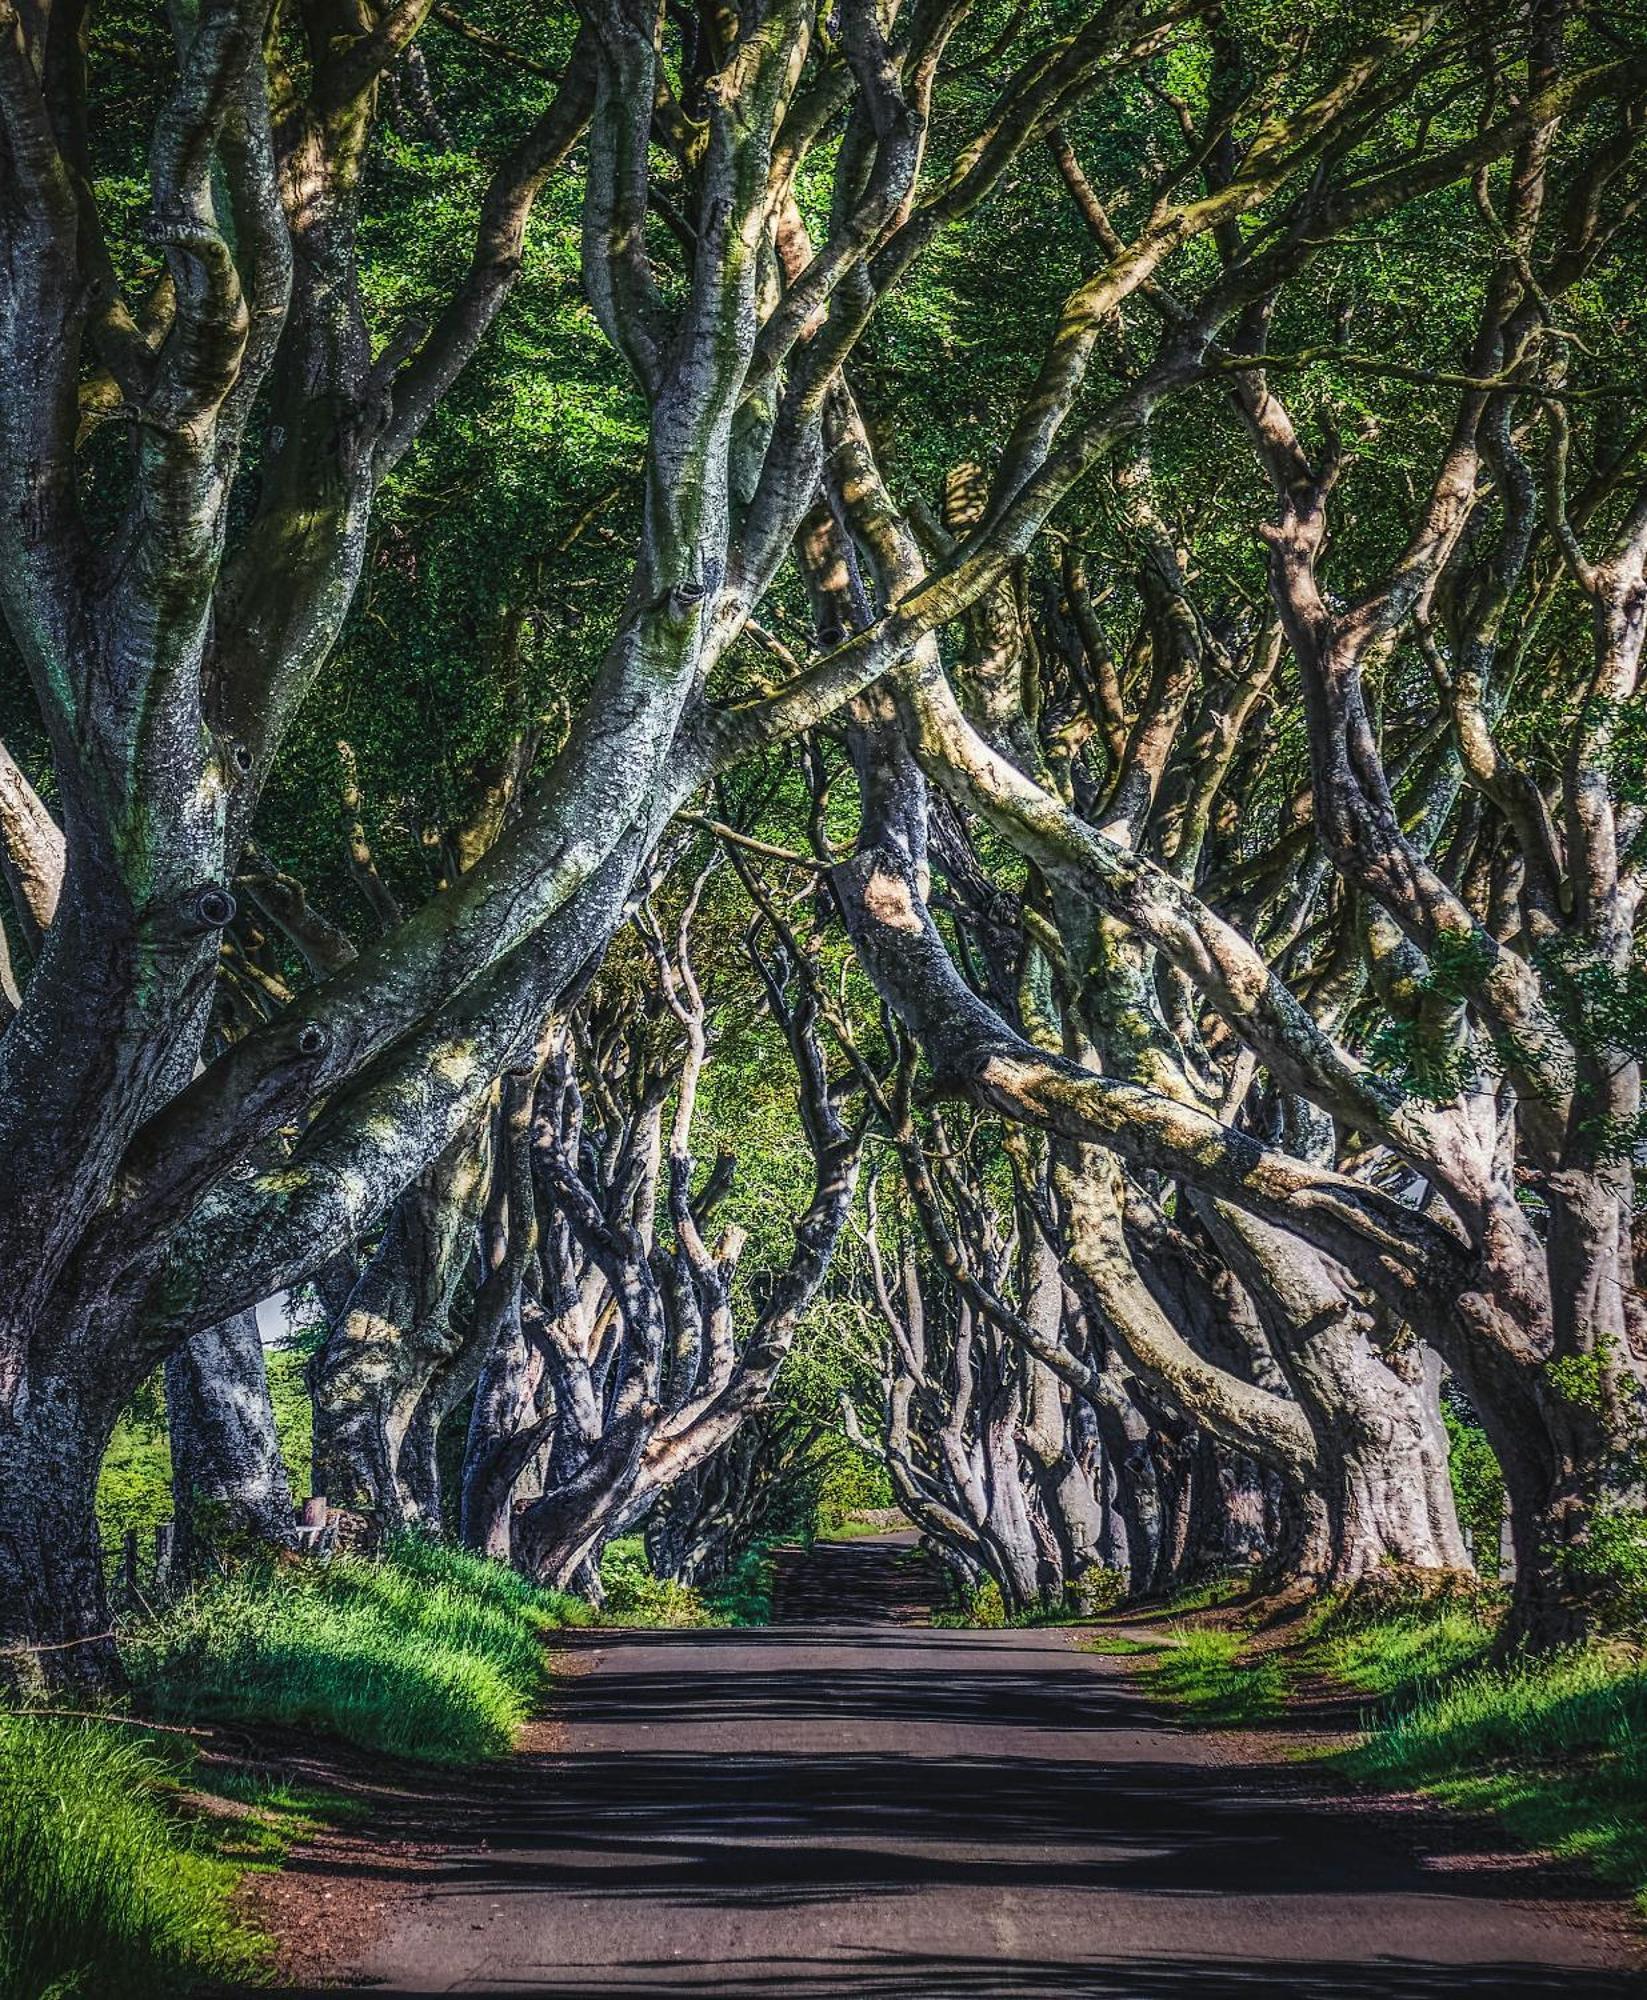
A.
x: 504, y: 1434
x: 54, y: 1615
x: 1548, y: 1451
x: 394, y: 1333
x: 230, y: 1491
x: 564, y: 1530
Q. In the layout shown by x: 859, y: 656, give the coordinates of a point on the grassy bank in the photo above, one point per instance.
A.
x: 433, y: 1653
x: 1555, y: 1749
x: 117, y: 1862
x: 118, y: 1859
x: 105, y: 1886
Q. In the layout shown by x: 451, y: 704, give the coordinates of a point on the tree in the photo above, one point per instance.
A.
x: 188, y: 483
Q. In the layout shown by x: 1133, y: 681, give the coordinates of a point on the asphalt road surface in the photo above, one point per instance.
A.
x: 875, y: 1811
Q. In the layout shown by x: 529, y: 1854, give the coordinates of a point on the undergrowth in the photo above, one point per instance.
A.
x: 431, y: 1653
x: 744, y: 1595
x: 634, y: 1596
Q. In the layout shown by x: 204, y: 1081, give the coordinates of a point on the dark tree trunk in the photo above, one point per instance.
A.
x: 504, y: 1435
x: 54, y: 1615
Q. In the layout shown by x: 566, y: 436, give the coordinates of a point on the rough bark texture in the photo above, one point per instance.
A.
x: 229, y: 1486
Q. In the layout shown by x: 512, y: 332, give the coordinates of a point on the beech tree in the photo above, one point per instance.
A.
x: 1491, y: 916
x: 191, y: 450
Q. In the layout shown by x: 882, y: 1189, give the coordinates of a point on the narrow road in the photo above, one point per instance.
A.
x: 878, y: 1812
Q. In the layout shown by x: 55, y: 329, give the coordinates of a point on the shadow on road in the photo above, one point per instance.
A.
x: 898, y: 1814
x: 897, y: 1976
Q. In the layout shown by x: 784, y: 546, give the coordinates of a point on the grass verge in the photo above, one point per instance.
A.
x: 1556, y: 1748
x: 116, y: 1873
x: 433, y: 1653
x: 1117, y: 1645
x: 1205, y: 1672
x: 106, y: 1886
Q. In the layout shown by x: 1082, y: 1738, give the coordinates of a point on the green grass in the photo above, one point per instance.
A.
x: 1091, y: 1596
x: 115, y: 1875
x: 1117, y: 1645
x: 1204, y: 1671
x: 1555, y: 1748
x: 634, y: 1596
x: 1398, y: 1656
x: 854, y: 1528
x: 433, y: 1653
x: 1217, y: 1590
x: 105, y: 1886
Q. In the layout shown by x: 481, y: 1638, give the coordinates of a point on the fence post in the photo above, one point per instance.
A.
x: 311, y: 1524
x: 163, y: 1538
x: 128, y: 1562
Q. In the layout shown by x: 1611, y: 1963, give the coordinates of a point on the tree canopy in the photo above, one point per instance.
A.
x: 1018, y: 623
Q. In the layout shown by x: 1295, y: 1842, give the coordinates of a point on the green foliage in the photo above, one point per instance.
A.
x: 134, y: 1488
x: 853, y: 1484
x: 104, y: 1887
x: 1421, y: 1051
x: 634, y: 1596
x: 744, y: 1595
x: 432, y: 1653
x: 1608, y: 1568
x: 1477, y: 1482
x: 1209, y: 1673
x: 984, y: 1610
x: 1579, y: 1379
x: 1097, y: 1590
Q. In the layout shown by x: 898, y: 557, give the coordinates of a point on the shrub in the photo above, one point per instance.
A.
x: 635, y: 1596
x: 103, y: 1888
x: 744, y: 1595
x: 1609, y: 1568
x: 854, y: 1484
x: 1097, y: 1590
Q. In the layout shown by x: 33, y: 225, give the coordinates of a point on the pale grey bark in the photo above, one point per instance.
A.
x: 231, y: 1493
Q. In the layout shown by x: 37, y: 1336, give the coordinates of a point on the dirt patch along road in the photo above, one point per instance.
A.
x: 877, y: 1812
